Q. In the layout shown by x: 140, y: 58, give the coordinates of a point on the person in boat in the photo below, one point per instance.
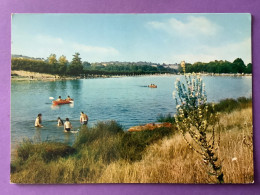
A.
x: 67, y: 125
x: 59, y: 99
x: 68, y: 98
x: 83, y: 118
x: 38, y: 121
x: 60, y: 122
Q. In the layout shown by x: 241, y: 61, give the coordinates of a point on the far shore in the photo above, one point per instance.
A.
x: 20, y: 75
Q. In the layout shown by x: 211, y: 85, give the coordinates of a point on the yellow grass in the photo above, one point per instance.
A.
x: 171, y: 161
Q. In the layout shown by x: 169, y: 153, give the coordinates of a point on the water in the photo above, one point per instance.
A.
x: 127, y: 100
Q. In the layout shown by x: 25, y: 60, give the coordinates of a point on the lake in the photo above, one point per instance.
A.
x: 127, y: 100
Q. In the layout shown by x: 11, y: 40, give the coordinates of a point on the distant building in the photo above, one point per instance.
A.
x: 174, y: 66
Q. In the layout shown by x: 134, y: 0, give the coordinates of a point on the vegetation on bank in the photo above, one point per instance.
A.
x: 219, y: 66
x: 76, y: 67
x: 106, y: 153
x: 223, y: 106
x: 170, y: 160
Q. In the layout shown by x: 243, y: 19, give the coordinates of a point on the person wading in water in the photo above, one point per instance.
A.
x: 67, y: 125
x: 60, y: 122
x: 38, y: 121
x: 83, y: 118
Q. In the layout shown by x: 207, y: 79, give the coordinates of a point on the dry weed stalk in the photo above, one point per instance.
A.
x: 193, y: 118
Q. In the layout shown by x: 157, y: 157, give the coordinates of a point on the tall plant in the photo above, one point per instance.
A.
x: 194, y: 120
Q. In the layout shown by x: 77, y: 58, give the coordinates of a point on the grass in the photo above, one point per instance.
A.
x: 107, y: 154
x: 94, y: 149
x: 172, y: 161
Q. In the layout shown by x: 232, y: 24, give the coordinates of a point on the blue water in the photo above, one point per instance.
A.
x: 126, y: 100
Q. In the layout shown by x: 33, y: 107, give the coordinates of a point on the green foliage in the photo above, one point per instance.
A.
x: 228, y: 105
x: 108, y: 141
x: 63, y: 63
x: 86, y: 65
x: 249, y: 68
x: 237, y: 66
x: 47, y: 150
x: 31, y: 65
x: 75, y: 67
x: 126, y: 69
x: 52, y: 59
x: 133, y: 144
x: 102, y: 129
x: 166, y: 118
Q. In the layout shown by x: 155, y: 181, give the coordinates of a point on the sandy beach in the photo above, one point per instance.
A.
x: 26, y: 75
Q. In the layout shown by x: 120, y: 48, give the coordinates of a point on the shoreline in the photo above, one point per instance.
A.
x: 20, y: 75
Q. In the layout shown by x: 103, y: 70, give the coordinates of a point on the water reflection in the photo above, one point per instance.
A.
x: 71, y: 104
x: 66, y: 138
x: 37, y: 136
x: 56, y: 107
x: 76, y: 84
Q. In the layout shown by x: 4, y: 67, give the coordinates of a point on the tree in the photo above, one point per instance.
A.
x: 52, y: 59
x: 53, y: 68
x: 249, y: 68
x: 75, y: 67
x: 63, y: 62
x: 238, y: 66
x: 86, y: 65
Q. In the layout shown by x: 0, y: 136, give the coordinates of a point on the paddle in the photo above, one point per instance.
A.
x: 51, y: 98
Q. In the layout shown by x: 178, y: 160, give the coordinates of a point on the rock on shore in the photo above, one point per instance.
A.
x: 149, y: 126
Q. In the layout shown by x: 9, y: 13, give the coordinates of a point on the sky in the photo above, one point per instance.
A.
x: 158, y: 38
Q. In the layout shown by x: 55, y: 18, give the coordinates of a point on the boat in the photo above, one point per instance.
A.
x: 60, y: 102
x: 152, y: 86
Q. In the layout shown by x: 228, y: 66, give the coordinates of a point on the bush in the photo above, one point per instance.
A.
x: 108, y: 141
x: 229, y: 105
x: 166, y: 118
x: 47, y: 150
x: 102, y: 129
x: 133, y: 144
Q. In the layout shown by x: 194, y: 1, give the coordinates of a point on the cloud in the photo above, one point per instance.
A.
x: 227, y: 52
x: 193, y: 26
x: 43, y: 45
x: 48, y: 39
x: 94, y: 49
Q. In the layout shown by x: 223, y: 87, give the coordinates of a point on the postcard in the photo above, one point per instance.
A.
x: 131, y: 98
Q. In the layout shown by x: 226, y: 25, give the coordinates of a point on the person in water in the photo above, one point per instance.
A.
x: 60, y: 122
x: 59, y: 99
x: 38, y: 121
x: 67, y: 125
x: 68, y: 98
x: 83, y: 118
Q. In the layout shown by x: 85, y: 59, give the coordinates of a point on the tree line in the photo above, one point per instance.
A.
x: 76, y: 67
x: 237, y: 66
x: 62, y: 66
x: 50, y: 66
